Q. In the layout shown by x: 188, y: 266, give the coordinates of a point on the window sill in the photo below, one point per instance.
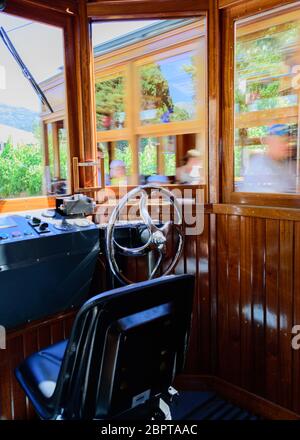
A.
x: 272, y: 200
x: 26, y: 204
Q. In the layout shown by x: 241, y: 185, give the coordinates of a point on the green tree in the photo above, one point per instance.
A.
x: 21, y: 170
x: 155, y: 89
x: 109, y: 100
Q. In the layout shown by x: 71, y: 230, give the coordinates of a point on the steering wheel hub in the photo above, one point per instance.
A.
x: 158, y: 239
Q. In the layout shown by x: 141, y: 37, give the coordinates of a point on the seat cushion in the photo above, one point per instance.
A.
x: 39, y: 372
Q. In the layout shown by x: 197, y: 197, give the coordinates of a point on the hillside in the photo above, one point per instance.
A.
x: 18, y: 117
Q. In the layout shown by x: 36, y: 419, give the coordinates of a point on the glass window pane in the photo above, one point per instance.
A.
x: 57, y: 170
x: 169, y: 155
x: 148, y: 156
x: 110, y: 109
x: 162, y: 83
x: 168, y: 89
x: 267, y: 59
x: 117, y: 162
x: 157, y: 157
x: 22, y: 140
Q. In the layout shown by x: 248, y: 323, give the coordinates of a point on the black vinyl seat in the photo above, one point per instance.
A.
x: 125, y: 348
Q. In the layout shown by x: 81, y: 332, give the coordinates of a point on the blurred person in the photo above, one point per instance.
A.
x: 272, y: 171
x: 118, y: 173
x: 191, y: 172
x: 100, y: 155
x: 158, y: 179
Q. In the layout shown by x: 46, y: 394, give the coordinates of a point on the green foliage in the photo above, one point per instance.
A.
x: 155, y: 89
x: 109, y: 100
x: 123, y: 152
x: 263, y: 58
x: 156, y: 93
x: 170, y: 164
x: 148, y: 157
x: 21, y: 171
x: 63, y: 153
x: 260, y: 63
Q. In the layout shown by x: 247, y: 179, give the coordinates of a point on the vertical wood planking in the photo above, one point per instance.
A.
x: 286, y: 311
x: 234, y: 302
x: 258, y: 304
x: 258, y: 294
x: 5, y: 387
x: 213, y: 291
x: 222, y: 276
x: 44, y: 336
x: 16, y: 355
x: 246, y: 271
x: 190, y: 267
x: 21, y: 344
x: 204, y: 299
x: 272, y: 309
x: 242, y: 317
x: 296, y: 318
x: 56, y: 332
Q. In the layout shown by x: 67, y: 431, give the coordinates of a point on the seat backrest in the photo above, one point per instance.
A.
x: 125, y: 347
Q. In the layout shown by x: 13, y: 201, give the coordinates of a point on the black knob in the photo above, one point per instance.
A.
x: 36, y: 220
x: 43, y: 226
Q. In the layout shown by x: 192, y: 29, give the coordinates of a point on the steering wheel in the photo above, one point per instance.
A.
x: 155, y: 238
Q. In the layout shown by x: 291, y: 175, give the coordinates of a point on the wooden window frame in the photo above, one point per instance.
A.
x: 175, y: 127
x: 229, y: 17
x: 115, y: 134
x: 61, y: 14
x: 134, y: 130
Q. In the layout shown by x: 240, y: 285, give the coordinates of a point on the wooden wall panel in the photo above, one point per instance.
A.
x: 296, y: 317
x: 203, y: 292
x: 234, y: 298
x: 222, y: 282
x: 285, y: 312
x: 246, y: 302
x: 242, y: 318
x: 258, y: 303
x: 20, y: 344
x: 272, y: 307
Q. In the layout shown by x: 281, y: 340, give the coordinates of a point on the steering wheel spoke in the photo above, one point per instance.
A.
x: 145, y: 213
x: 134, y: 252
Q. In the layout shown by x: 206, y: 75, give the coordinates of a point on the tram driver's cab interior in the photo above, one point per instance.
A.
x: 149, y: 210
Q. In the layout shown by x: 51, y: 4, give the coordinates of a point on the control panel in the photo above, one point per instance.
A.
x: 39, y: 224
x: 47, y: 262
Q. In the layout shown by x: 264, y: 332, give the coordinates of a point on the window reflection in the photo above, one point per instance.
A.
x: 151, y: 93
x: 157, y: 159
x: 168, y: 89
x: 117, y: 162
x: 267, y: 104
x: 25, y: 168
x: 57, y: 158
x: 110, y: 110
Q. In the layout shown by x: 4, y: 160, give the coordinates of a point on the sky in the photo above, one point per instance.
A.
x: 103, y: 32
x: 41, y: 48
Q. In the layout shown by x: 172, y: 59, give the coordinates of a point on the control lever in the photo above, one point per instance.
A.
x: 43, y: 226
x: 35, y: 221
